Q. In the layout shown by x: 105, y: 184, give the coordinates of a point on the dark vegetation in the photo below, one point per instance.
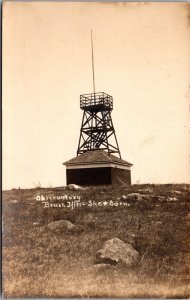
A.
x: 40, y: 263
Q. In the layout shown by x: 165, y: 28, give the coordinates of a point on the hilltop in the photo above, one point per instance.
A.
x: 39, y: 262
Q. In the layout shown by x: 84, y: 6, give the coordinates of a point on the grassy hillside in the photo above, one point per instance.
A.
x: 40, y: 263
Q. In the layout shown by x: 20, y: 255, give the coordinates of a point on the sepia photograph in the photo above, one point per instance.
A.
x: 96, y: 149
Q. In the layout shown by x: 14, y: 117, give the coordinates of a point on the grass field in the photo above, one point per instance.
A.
x: 40, y: 263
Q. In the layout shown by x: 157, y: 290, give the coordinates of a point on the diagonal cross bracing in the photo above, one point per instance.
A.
x: 97, y: 126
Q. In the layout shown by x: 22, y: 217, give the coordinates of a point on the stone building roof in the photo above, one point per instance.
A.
x: 96, y: 157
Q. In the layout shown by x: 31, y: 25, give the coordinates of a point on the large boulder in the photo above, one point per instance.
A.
x: 115, y: 251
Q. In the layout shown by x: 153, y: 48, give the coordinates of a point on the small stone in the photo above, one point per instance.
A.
x: 14, y: 201
x: 147, y: 190
x: 36, y: 224
x: 100, y: 267
x: 158, y: 222
x: 176, y: 192
x: 160, y: 198
x: 135, y: 196
x: 170, y: 199
x: 61, y: 225
x: 74, y: 187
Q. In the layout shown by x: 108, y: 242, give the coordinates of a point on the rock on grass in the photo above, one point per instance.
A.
x: 74, y: 187
x: 115, y: 251
x: 65, y: 226
x: 135, y: 196
x: 60, y: 226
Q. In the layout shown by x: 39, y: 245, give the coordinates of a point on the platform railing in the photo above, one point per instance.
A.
x: 95, y: 99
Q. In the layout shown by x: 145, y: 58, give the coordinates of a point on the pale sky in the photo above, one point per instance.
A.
x: 141, y: 58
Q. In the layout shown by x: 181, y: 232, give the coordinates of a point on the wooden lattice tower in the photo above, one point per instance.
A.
x: 97, y: 130
x: 95, y: 163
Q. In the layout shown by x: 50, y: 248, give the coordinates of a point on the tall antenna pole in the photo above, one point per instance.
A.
x: 92, y: 62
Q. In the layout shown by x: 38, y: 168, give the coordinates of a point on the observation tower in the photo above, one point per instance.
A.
x: 97, y: 130
x: 98, y: 160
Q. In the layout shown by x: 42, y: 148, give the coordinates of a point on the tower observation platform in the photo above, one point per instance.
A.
x: 96, y: 102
